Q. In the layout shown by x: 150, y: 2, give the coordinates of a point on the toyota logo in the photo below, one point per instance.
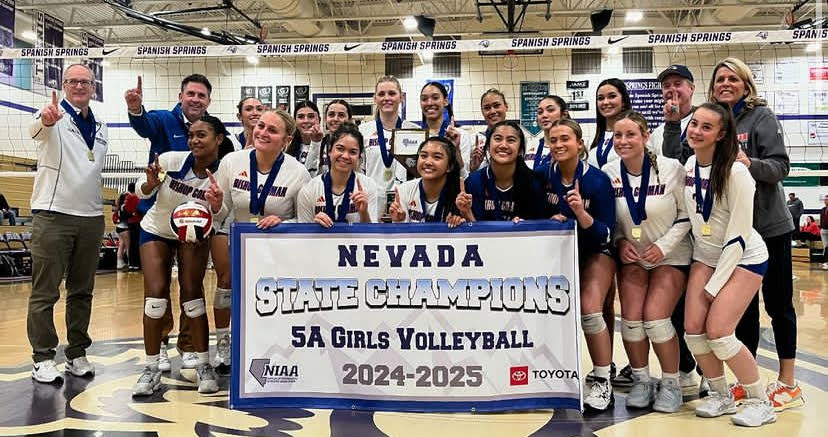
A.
x: 519, y: 375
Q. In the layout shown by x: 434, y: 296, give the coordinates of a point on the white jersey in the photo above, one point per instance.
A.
x: 732, y: 240
x: 610, y: 154
x: 281, y: 201
x: 667, y: 224
x: 179, y: 186
x: 309, y: 157
x: 311, y: 200
x: 375, y: 168
x: 657, y: 137
x: 67, y: 181
x: 411, y: 202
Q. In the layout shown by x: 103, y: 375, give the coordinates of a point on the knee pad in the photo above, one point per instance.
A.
x: 632, y: 330
x: 194, y: 308
x: 154, y: 307
x: 725, y: 347
x: 660, y: 331
x: 697, y: 343
x: 221, y: 299
x: 593, y: 323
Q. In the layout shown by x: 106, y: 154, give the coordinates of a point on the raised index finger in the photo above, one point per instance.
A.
x: 577, y: 187
x: 359, y: 185
x: 462, y: 186
x: 210, y: 175
x: 396, y: 195
x: 155, y: 161
x: 139, y: 83
x: 54, y: 98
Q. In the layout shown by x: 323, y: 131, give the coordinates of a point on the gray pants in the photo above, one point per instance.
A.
x: 823, y: 233
x: 62, y: 246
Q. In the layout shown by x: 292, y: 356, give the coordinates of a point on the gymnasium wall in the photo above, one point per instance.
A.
x: 785, y: 83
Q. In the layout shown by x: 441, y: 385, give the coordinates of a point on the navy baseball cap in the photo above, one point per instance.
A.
x: 680, y: 70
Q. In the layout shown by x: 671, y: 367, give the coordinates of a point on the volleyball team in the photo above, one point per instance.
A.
x: 686, y: 223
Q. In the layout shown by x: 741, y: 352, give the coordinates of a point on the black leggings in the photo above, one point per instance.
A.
x: 777, y: 291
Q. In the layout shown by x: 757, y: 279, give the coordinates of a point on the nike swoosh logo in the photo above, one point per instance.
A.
x: 351, y: 47
x: 106, y: 52
x: 613, y: 41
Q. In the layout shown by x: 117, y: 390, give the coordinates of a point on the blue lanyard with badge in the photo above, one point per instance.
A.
x: 638, y: 211
x: 346, y: 197
x: 387, y: 155
x: 87, y: 127
x: 257, y: 200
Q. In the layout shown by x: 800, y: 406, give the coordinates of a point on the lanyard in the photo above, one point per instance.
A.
x: 707, y: 200
x: 387, y: 155
x: 346, y: 197
x: 637, y: 209
x: 257, y: 202
x: 539, y: 159
x: 438, y: 212
x: 242, y: 140
x: 557, y: 185
x: 603, y: 150
x: 86, y: 127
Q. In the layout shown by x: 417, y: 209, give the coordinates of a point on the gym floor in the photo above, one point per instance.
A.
x: 103, y: 406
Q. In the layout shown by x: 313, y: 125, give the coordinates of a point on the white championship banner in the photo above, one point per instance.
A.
x: 406, y: 317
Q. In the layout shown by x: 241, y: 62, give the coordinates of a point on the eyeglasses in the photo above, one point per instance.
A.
x: 76, y: 82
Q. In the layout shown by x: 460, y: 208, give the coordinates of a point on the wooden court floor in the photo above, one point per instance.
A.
x: 103, y: 406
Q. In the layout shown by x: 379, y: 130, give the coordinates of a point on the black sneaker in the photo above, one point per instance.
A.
x: 624, y: 378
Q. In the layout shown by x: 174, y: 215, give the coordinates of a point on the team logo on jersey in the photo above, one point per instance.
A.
x: 412, y: 204
x: 243, y: 173
x: 321, y: 199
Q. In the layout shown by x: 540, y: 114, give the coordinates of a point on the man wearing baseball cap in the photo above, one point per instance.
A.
x: 677, y: 88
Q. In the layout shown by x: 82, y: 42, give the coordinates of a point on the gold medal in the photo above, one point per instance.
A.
x: 254, y: 219
x: 388, y: 174
x: 636, y: 232
x: 90, y: 156
x: 706, y: 230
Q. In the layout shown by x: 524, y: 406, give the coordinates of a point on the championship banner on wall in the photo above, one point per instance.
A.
x: 531, y: 93
x: 406, y: 317
x: 6, y: 35
x: 96, y: 64
x: 646, y: 99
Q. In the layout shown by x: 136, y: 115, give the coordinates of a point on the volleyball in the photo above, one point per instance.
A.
x: 191, y: 222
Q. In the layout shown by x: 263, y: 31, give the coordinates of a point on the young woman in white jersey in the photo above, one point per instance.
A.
x: 308, y: 139
x: 380, y: 164
x: 260, y: 185
x: 578, y: 191
x: 438, y: 119
x: 550, y: 109
x: 430, y: 198
x: 654, y: 249
x: 187, y: 178
x: 337, y: 112
x: 250, y: 109
x: 341, y: 195
x: 729, y: 259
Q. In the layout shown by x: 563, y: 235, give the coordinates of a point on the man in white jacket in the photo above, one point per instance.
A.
x: 68, y: 222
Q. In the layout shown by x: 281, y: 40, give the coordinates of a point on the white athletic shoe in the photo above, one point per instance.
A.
x: 755, y: 412
x: 206, y: 378
x: 716, y: 405
x: 669, y: 397
x: 600, y: 396
x: 80, y: 366
x: 45, y: 371
x: 222, y: 360
x: 164, y: 364
x: 824, y: 266
x: 189, y: 360
x: 689, y: 383
x: 641, y: 395
x: 148, y: 382
x: 121, y: 264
